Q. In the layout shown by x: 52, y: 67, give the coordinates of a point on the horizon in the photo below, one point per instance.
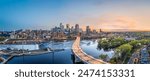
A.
x: 84, y: 30
x: 110, y: 15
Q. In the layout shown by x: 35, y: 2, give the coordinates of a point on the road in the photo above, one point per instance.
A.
x: 135, y: 55
x: 144, y: 56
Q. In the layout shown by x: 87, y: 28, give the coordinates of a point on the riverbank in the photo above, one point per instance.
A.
x: 60, y: 54
x: 60, y: 57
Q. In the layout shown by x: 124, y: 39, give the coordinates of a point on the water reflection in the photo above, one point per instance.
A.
x: 61, y: 57
x: 90, y: 47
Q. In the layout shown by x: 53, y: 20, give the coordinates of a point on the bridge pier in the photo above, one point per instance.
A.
x: 77, y: 60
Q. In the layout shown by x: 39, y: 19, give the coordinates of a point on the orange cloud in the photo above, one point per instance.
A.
x: 117, y: 22
x: 113, y: 22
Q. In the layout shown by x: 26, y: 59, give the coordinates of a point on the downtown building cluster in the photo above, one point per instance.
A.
x: 61, y: 32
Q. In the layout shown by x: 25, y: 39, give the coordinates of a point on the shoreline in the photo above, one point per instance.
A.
x: 19, y: 55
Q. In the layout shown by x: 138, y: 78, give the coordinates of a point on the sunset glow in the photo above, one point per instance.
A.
x: 108, y: 15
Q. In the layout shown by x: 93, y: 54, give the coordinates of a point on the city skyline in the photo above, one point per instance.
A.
x: 110, y: 15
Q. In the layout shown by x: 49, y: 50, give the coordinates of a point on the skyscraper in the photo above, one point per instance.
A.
x: 88, y: 30
x: 61, y: 27
x: 100, y: 30
x: 67, y: 26
x: 77, y: 29
x: 72, y: 29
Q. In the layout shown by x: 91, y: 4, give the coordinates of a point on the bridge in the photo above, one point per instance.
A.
x: 86, y: 58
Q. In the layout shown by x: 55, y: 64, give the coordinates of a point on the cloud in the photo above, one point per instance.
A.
x: 110, y: 22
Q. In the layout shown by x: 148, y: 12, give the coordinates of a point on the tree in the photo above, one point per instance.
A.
x: 117, y: 42
x: 103, y: 57
x: 113, y: 60
x: 135, y: 43
x: 149, y: 51
x: 144, y: 41
x: 103, y: 44
x: 124, y: 51
x: 2, y: 38
x: 111, y: 43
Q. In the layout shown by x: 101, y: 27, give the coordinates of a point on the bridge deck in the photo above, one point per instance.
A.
x: 83, y: 56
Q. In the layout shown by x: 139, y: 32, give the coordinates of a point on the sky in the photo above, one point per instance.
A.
x: 108, y: 15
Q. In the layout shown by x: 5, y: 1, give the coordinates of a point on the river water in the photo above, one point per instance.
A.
x: 61, y: 57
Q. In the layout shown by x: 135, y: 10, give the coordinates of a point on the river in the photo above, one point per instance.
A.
x: 61, y: 57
